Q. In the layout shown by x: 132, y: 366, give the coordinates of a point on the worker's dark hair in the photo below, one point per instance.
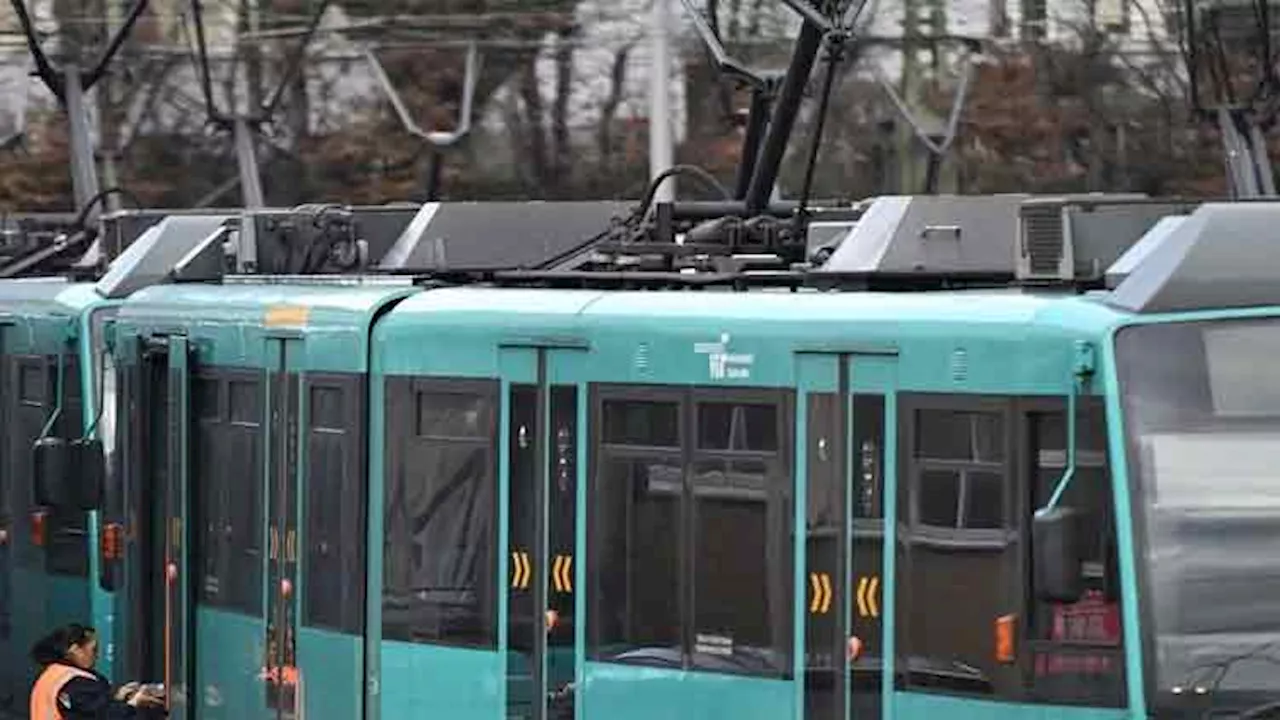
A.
x: 53, y: 647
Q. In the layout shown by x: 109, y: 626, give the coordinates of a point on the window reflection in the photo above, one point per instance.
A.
x: 440, y: 516
x: 690, y: 532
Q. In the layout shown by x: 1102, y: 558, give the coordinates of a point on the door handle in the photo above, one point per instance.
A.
x: 275, y: 543
x: 291, y: 546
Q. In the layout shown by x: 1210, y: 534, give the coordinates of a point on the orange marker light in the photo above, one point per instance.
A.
x: 286, y: 587
x: 553, y: 619
x: 1006, y: 628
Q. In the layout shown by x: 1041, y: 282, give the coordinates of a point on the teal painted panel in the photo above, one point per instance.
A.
x: 330, y: 670
x: 415, y: 677
x: 66, y: 600
x: 45, y: 296
x: 955, y: 342
x: 625, y: 692
x: 30, y: 622
x: 227, y: 322
x: 644, y: 354
x: 38, y: 334
x: 920, y: 706
x: 230, y: 656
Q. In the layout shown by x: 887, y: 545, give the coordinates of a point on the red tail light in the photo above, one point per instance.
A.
x: 112, y: 541
x: 38, y: 528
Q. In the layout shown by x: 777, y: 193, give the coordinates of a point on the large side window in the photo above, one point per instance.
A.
x: 690, y: 529
x: 244, y: 474
x: 208, y: 416
x: 635, y: 528
x: 334, y: 506
x: 226, y: 465
x: 958, y: 563
x: 439, y: 561
x: 1075, y: 649
x: 740, y: 549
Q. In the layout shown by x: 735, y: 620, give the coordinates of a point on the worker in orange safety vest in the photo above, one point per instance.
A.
x: 69, y: 688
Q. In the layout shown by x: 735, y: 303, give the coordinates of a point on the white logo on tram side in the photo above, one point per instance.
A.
x: 722, y: 364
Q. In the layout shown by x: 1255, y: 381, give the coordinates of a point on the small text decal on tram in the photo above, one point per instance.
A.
x: 722, y: 364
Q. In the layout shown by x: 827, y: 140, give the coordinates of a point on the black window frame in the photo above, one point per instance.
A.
x: 781, y: 460
x: 1010, y: 682
x: 400, y: 429
x: 1003, y: 544
x: 238, y: 570
x: 1029, y: 642
x: 1035, y: 20
x: 348, y: 560
x: 916, y: 465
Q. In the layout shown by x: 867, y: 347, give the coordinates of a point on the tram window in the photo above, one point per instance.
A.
x: 211, y: 508
x: 231, y: 431
x: 1076, y: 653
x: 440, y: 512
x: 741, y: 537
x: 984, y: 500
x: 448, y: 414
x: 245, y: 404
x: 690, y: 528
x: 334, y: 520
x: 634, y: 559
x: 32, y: 383
x: 244, y: 476
x: 939, y: 502
x: 640, y: 423
x: 741, y: 563
x: 960, y: 435
x: 737, y: 426
x: 954, y: 543
x: 227, y: 411
x: 959, y: 459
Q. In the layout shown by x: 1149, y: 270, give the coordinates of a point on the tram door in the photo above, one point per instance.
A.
x: 542, y: 426
x: 280, y: 666
x: 845, y: 408
x: 157, y: 591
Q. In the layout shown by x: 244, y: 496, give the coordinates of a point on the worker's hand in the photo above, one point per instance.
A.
x: 126, y: 691
x: 145, y: 700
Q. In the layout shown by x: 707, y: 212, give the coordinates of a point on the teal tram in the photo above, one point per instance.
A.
x: 373, y: 496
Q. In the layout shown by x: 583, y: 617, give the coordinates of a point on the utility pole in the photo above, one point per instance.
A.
x: 915, y: 13
x: 108, y: 121
x: 661, y: 153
